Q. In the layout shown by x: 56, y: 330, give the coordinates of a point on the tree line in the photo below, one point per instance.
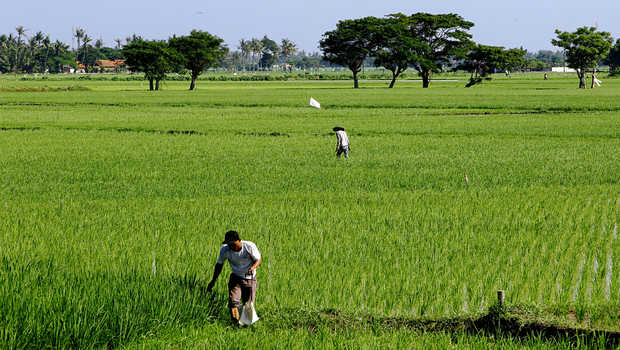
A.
x: 432, y: 43
x: 264, y: 53
x: 22, y: 53
x: 427, y: 43
x: 19, y: 53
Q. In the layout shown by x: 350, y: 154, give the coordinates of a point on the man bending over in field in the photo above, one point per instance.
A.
x: 244, y: 258
x: 343, y: 145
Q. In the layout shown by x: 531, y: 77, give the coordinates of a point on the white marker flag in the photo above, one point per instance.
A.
x: 314, y: 103
x: 597, y: 82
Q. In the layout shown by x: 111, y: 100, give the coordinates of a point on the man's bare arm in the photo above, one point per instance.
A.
x: 216, y: 273
x: 254, y: 266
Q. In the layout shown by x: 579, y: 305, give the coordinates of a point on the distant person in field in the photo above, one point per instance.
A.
x: 343, y: 145
x: 244, y: 258
x: 546, y: 76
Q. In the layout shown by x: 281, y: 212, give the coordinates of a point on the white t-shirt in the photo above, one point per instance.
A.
x: 343, y: 139
x: 241, y: 261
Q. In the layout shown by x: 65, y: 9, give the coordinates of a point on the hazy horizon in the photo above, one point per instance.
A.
x: 528, y: 24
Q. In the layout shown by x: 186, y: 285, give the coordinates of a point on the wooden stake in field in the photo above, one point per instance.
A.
x: 466, y: 179
x: 500, y: 298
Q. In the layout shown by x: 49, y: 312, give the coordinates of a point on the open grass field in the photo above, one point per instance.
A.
x: 114, y: 201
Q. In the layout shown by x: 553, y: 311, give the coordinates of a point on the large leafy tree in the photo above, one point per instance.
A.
x: 351, y: 43
x: 200, y: 50
x: 271, y: 50
x: 483, y: 60
x: 153, y: 58
x: 395, y: 46
x: 584, y: 49
x: 514, y: 59
x: 613, y: 59
x: 444, y: 38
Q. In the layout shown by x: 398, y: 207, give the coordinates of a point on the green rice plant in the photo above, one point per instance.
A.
x: 113, y: 202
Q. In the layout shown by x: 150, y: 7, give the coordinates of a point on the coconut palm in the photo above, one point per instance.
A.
x: 87, y: 40
x: 288, y: 48
x: 47, y: 45
x: 244, y: 46
x: 7, y: 46
x: 132, y: 38
x: 21, y: 31
x: 236, y: 59
x: 99, y: 43
x: 58, y: 48
x: 257, y: 48
x: 79, y: 34
x: 38, y: 37
x: 251, y: 47
x: 118, y: 43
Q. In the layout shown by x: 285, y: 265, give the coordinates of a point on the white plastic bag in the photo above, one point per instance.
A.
x: 248, y: 314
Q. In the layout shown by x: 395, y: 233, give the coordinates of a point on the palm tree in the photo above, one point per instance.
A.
x: 287, y: 48
x: 21, y: 31
x: 79, y: 34
x: 7, y: 45
x: 87, y: 40
x: 47, y: 46
x: 251, y: 48
x: 236, y: 59
x: 38, y: 37
x: 59, y: 47
x: 118, y: 43
x: 256, y: 47
x: 132, y: 38
x: 244, y: 46
x: 99, y: 43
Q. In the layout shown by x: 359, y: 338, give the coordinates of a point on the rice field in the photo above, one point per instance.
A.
x: 114, y: 201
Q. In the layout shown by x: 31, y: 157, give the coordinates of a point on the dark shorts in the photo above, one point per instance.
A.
x: 240, y: 290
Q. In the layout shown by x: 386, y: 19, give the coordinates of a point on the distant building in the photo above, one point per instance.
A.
x: 68, y: 69
x: 108, y: 66
x: 102, y: 66
x: 562, y: 70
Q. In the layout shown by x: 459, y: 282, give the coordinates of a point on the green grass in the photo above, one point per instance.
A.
x: 113, y: 201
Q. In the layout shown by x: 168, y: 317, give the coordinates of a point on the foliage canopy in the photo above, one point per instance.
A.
x: 351, y: 43
x: 154, y: 58
x: 444, y: 38
x: 584, y: 49
x: 200, y: 50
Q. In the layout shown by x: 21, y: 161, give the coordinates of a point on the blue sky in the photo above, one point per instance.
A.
x: 527, y: 23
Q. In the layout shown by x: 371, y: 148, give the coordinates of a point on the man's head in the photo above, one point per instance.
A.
x: 232, y: 240
x: 338, y: 128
